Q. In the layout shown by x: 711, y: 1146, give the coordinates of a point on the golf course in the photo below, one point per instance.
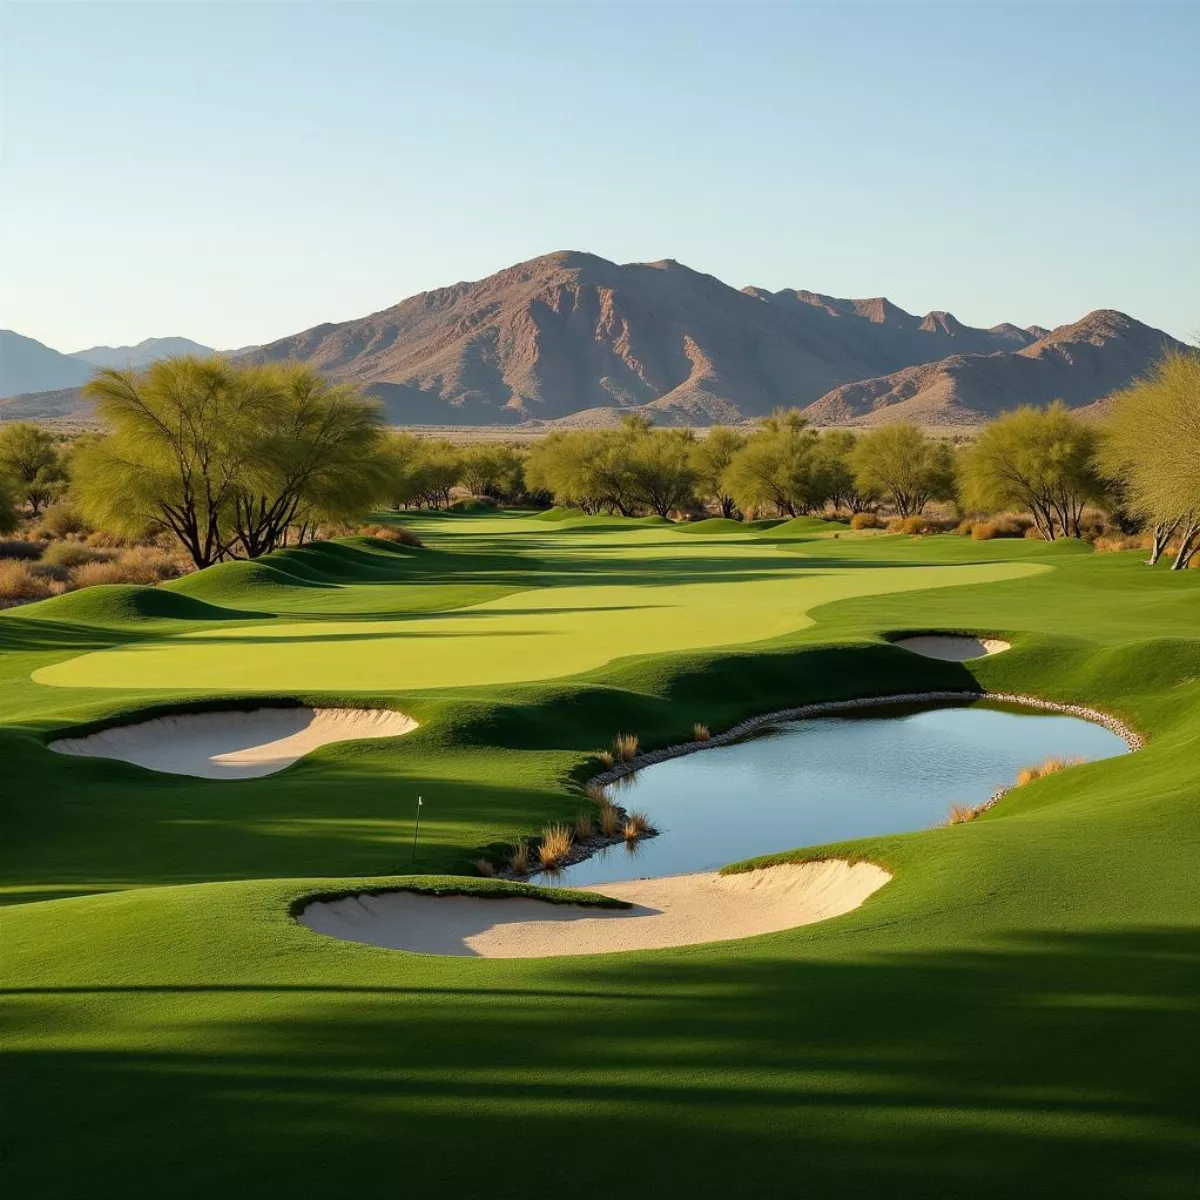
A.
x: 1006, y: 1006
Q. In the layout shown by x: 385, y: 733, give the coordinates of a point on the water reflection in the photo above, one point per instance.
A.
x: 828, y: 779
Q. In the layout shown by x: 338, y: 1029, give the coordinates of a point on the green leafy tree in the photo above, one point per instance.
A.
x: 901, y: 464
x: 225, y: 458
x: 1042, y: 461
x: 31, y: 461
x: 662, y: 472
x: 1151, y: 443
x: 835, y: 461
x: 778, y: 468
x: 318, y: 456
x: 440, y: 467
x: 493, y: 469
x: 711, y: 457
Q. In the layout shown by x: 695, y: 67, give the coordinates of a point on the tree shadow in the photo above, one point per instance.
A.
x: 1031, y: 1065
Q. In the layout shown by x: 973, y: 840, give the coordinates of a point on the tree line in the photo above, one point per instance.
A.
x: 234, y: 462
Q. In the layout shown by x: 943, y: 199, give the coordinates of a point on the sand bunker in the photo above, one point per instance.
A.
x: 679, y: 910
x: 235, y: 745
x: 951, y: 648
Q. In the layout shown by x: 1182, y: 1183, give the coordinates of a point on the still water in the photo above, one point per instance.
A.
x: 827, y: 779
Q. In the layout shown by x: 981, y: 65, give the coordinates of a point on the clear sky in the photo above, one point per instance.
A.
x: 236, y: 172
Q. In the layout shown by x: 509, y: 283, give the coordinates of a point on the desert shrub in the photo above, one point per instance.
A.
x: 984, y: 531
x: 44, y: 570
x: 391, y: 533
x: 585, y: 828
x: 18, y: 583
x: 700, y: 732
x: 1113, y: 543
x: 71, y: 554
x: 103, y: 540
x: 149, y: 564
x: 93, y: 573
x: 965, y: 527
x: 865, y: 520
x: 895, y: 525
x: 625, y: 746
x: 519, y: 858
x: 556, y: 845
x: 485, y: 868
x: 61, y: 520
x: 11, y: 548
x: 917, y: 524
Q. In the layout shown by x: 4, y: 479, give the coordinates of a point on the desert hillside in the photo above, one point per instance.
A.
x: 571, y: 338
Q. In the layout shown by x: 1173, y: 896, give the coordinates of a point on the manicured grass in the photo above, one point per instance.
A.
x: 1014, y: 1014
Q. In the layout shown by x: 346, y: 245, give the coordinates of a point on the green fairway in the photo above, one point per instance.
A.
x: 1014, y: 1013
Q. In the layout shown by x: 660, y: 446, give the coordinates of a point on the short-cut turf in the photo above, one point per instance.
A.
x: 1015, y: 1012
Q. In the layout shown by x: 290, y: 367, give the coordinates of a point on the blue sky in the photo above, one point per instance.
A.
x: 237, y: 172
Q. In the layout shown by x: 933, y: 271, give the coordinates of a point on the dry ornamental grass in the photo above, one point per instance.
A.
x: 625, y: 746
x: 556, y: 845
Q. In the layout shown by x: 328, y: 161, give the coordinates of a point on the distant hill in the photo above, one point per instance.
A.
x: 141, y: 355
x: 573, y: 339
x: 571, y: 332
x: 28, y: 366
x: 1079, y: 364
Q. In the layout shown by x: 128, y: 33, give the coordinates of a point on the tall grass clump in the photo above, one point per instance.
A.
x: 606, y: 759
x: 556, y: 845
x: 636, y: 824
x: 485, y: 867
x: 960, y: 814
x: 700, y: 732
x: 625, y: 746
x: 865, y: 520
x: 608, y: 818
x: 519, y: 858
x: 1050, y: 766
x: 585, y: 828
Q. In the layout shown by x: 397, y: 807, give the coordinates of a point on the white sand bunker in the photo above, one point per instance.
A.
x: 235, y: 745
x: 679, y: 910
x: 952, y: 648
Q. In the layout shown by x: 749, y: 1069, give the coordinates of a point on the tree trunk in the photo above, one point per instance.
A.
x: 1189, y: 543
x: 1160, y: 535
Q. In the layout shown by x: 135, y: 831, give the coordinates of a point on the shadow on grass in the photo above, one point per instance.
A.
x: 1028, y: 1067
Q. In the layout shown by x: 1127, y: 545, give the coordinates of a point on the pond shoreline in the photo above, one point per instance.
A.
x: 1126, y: 733
x: 580, y: 851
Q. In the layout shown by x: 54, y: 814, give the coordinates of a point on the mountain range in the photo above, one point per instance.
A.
x: 573, y: 339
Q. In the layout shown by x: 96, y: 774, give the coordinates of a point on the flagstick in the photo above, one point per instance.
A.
x: 417, y: 829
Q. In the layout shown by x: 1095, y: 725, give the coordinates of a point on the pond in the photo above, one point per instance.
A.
x: 827, y: 779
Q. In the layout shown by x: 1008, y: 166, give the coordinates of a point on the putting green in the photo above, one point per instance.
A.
x: 542, y: 633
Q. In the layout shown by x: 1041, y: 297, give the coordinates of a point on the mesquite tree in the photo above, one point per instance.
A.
x: 1152, y: 444
x: 1039, y: 460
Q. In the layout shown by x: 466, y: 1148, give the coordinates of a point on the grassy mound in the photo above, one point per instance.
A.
x: 712, y: 525
x: 117, y: 604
